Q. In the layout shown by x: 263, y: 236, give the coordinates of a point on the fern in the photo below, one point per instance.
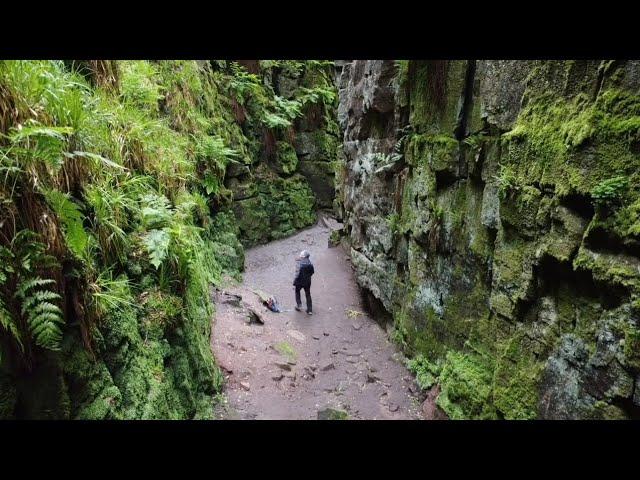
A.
x: 31, y: 283
x: 34, y: 144
x: 289, y: 109
x: 40, y: 296
x: 273, y: 120
x: 38, y: 303
x: 72, y: 219
x: 213, y: 148
x: 9, y: 324
x: 323, y: 95
x: 29, y: 253
x: 610, y: 192
x: 97, y: 159
x: 212, y: 183
x: 44, y: 318
x: 156, y: 211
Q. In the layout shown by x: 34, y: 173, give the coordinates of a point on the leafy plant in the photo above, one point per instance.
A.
x: 289, y: 109
x: 284, y: 348
x: 610, y: 192
x: 69, y: 214
x: 506, y: 180
x: 320, y: 94
x: 156, y: 210
x: 44, y: 318
x: 157, y: 243
x: 36, y: 300
x: 8, y: 321
x: 393, y: 221
x: 425, y: 371
x: 109, y: 293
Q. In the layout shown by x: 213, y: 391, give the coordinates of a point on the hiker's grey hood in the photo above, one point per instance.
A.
x: 305, y: 261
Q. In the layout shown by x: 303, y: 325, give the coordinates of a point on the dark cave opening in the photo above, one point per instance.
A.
x: 580, y: 204
x: 375, y: 308
x: 553, y: 274
x: 603, y: 240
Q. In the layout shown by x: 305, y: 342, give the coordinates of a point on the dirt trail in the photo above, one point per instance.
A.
x: 295, y: 365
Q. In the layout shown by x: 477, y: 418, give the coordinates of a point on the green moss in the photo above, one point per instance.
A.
x: 513, y: 274
x: 439, y: 152
x: 435, y: 91
x: 161, y: 311
x: 631, y: 349
x: 285, y: 348
x: 465, y: 381
x: 333, y: 414
x: 519, y: 208
x: 604, y: 411
x: 283, y: 205
x: 516, y: 379
x: 286, y: 158
x: 425, y: 371
x: 610, y: 268
x: 157, y: 151
x: 624, y: 223
x: 556, y: 140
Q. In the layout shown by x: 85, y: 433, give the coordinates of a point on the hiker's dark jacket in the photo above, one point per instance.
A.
x: 304, y: 271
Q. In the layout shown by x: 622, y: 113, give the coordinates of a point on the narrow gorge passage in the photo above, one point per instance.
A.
x: 490, y: 216
x: 294, y: 366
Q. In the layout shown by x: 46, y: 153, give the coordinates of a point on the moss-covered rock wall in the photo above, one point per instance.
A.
x: 492, y: 212
x: 287, y: 109
x: 119, y: 183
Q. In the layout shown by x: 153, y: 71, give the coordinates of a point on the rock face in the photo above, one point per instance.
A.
x: 493, y: 211
x: 287, y: 173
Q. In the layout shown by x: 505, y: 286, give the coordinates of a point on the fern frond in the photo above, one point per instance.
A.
x: 72, y: 219
x: 43, y: 317
x: 46, y: 331
x: 8, y: 323
x: 37, y: 297
x: 31, y: 283
x: 156, y: 210
x: 45, y: 307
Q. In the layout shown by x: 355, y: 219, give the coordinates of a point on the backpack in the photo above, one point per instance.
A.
x: 272, y: 304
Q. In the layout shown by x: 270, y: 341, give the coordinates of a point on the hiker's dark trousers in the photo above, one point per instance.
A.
x: 307, y: 293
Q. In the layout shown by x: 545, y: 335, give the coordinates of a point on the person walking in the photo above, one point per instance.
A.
x: 302, y: 280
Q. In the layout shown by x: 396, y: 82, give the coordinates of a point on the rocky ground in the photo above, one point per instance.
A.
x: 337, y: 363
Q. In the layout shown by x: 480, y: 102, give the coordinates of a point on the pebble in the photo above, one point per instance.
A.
x: 372, y: 378
x: 353, y: 353
x: 328, y: 366
x: 297, y: 335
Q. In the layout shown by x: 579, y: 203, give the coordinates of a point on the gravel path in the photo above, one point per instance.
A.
x: 294, y: 366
